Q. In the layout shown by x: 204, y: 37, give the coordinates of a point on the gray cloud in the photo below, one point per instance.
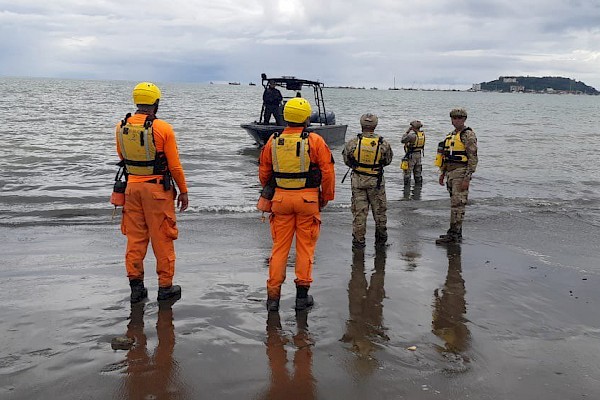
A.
x: 363, y: 43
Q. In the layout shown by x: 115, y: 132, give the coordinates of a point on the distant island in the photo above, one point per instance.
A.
x: 531, y: 84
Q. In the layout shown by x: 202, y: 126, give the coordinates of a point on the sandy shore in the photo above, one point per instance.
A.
x: 486, y: 319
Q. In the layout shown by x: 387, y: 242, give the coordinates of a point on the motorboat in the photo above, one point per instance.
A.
x: 322, y: 122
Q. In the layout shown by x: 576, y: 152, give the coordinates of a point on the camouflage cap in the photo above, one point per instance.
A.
x: 368, y: 120
x: 416, y: 124
x: 458, y: 112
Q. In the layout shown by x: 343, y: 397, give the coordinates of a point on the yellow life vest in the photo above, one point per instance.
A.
x: 367, y: 155
x: 454, y: 148
x: 418, y: 145
x: 136, y: 143
x: 291, y: 160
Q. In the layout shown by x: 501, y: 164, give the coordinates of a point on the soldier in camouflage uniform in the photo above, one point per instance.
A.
x: 459, y: 163
x: 414, y: 142
x: 366, y: 155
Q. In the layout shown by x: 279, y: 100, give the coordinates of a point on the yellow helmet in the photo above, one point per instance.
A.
x: 146, y: 93
x: 297, y: 110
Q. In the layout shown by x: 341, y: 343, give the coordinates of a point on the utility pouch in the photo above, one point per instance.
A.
x: 439, y: 156
x: 167, y: 181
x: 266, y: 195
x: 117, y: 197
x: 404, y: 164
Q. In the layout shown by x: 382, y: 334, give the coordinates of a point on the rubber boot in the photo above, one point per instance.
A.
x: 272, y: 305
x: 138, y: 291
x: 303, y: 299
x: 418, y: 180
x: 172, y: 293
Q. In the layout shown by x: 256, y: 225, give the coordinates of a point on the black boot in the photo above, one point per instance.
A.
x: 172, y: 293
x: 303, y: 299
x: 455, y: 230
x: 272, y: 305
x: 454, y: 235
x: 358, y: 244
x: 380, y: 237
x: 138, y: 291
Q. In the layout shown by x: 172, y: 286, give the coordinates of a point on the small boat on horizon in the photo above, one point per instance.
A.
x: 234, y: 83
x: 252, y: 84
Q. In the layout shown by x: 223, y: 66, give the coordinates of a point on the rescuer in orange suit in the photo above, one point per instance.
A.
x: 301, y: 165
x: 148, y: 150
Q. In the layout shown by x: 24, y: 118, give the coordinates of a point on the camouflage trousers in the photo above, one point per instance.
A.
x: 362, y: 199
x: 415, y: 168
x: 458, y: 199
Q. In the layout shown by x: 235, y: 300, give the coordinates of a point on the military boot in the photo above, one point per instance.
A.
x: 172, y: 292
x: 380, y: 236
x: 358, y: 243
x: 303, y: 299
x: 454, y: 235
x: 272, y: 305
x: 138, y: 291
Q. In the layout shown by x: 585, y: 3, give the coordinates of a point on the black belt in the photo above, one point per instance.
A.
x: 155, y: 181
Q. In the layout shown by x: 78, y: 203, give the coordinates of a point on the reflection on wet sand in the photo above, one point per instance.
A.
x: 416, y: 192
x: 449, y: 308
x: 299, y: 384
x: 410, y: 254
x: 364, y: 327
x: 151, y: 376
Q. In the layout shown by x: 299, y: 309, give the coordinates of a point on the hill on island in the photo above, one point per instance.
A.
x: 547, y: 84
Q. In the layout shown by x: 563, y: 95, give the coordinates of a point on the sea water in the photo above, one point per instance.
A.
x: 537, y: 153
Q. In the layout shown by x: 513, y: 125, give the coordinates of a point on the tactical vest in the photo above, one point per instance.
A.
x: 418, y: 145
x: 367, y: 155
x: 138, y: 149
x: 292, y: 168
x: 454, y: 148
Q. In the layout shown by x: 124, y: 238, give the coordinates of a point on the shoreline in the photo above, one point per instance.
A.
x: 491, y: 321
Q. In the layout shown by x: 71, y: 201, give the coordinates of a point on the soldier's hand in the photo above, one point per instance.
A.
x: 441, y: 180
x: 182, y: 201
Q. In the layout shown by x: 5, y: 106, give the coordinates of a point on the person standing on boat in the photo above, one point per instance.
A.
x: 366, y: 155
x: 303, y: 169
x: 272, y: 100
x: 459, y: 161
x: 414, y: 143
x: 147, y: 148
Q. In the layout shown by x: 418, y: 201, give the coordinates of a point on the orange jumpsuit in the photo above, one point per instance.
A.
x: 296, y: 211
x: 149, y: 210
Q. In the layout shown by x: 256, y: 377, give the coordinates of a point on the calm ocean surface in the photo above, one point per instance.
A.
x: 538, y: 153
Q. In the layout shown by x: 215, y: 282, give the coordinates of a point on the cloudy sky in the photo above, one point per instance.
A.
x: 420, y: 43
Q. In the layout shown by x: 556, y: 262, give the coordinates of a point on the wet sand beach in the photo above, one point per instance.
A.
x: 497, y: 317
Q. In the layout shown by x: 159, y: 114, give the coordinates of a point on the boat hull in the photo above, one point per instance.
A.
x: 333, y: 134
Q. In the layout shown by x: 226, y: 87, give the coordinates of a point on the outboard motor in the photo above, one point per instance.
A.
x: 320, y: 119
